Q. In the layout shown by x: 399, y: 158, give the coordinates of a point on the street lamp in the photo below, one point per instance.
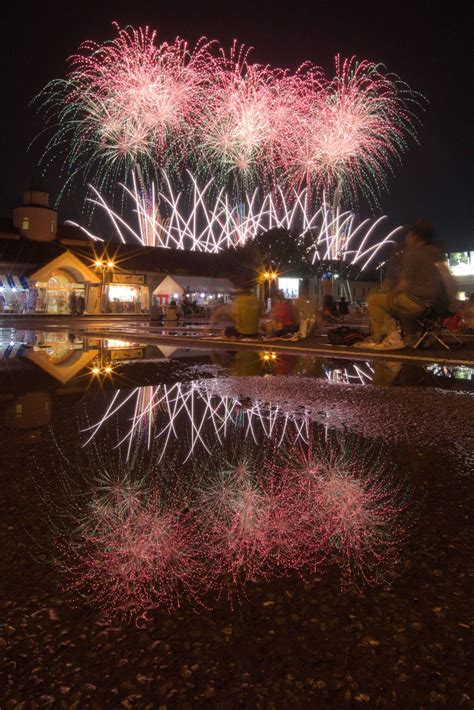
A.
x: 268, y: 277
x: 104, y: 266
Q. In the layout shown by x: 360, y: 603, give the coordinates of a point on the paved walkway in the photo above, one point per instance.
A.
x: 139, y: 330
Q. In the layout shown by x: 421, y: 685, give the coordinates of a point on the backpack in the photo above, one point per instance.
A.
x: 344, y: 335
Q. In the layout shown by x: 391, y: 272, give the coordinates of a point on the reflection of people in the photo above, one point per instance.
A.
x: 246, y: 312
x: 73, y: 303
x: 425, y: 281
x: 246, y: 364
x: 81, y: 305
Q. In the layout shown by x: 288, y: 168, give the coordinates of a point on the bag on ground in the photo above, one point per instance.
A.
x: 344, y: 335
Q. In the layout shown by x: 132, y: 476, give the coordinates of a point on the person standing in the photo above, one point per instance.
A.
x: 171, y: 314
x: 343, y: 306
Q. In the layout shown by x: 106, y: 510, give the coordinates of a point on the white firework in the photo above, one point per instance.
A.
x: 203, y: 219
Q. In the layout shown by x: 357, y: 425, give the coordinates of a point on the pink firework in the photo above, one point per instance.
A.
x: 247, y: 118
x: 351, y: 510
x: 246, y: 527
x: 129, y: 102
x: 354, y: 130
x: 135, y: 553
x: 132, y: 103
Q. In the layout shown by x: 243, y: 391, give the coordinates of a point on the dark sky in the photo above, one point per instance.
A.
x: 426, y: 43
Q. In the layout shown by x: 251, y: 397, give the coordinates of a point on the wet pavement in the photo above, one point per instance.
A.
x: 188, y: 528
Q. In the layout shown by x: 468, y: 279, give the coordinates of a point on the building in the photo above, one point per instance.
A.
x: 46, y: 268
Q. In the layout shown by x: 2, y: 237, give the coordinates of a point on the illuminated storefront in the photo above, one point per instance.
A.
x: 14, y: 294
x: 290, y: 287
x: 127, y: 293
x: 461, y: 264
x: 60, y: 285
x: 57, y: 294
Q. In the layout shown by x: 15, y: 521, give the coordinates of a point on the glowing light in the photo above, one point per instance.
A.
x: 131, y: 544
x: 131, y: 103
x: 161, y: 412
x: 211, y: 224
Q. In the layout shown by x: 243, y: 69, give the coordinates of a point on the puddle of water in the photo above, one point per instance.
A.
x: 170, y: 474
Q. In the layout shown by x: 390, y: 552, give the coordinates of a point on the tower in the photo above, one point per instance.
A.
x: 35, y: 219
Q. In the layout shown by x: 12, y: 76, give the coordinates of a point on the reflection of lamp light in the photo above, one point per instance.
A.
x: 99, y: 367
x: 268, y: 355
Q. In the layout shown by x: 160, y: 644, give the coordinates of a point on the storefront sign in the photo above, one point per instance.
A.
x: 128, y: 279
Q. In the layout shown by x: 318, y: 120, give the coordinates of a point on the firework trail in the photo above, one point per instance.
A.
x: 185, y: 413
x: 207, y: 222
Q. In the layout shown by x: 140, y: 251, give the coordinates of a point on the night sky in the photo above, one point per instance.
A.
x: 426, y: 43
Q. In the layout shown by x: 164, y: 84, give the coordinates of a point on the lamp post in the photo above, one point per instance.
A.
x: 105, y: 266
x: 267, y: 277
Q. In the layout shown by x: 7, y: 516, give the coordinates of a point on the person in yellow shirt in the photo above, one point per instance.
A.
x: 246, y: 312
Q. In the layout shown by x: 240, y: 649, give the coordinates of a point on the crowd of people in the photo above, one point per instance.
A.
x: 417, y: 280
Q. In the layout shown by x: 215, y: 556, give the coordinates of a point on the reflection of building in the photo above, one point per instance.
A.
x: 28, y: 411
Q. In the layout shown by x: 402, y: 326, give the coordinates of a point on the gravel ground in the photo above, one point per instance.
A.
x: 401, y: 645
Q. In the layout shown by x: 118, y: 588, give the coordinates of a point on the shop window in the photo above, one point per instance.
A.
x: 25, y: 224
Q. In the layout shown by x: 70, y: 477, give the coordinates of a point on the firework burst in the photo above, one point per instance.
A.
x: 137, y: 536
x: 354, y: 130
x: 126, y: 103
x: 131, y: 102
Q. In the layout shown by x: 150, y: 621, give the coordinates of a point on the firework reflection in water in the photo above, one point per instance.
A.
x: 245, y: 519
x: 353, y: 508
x: 142, y: 535
x: 128, y: 542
